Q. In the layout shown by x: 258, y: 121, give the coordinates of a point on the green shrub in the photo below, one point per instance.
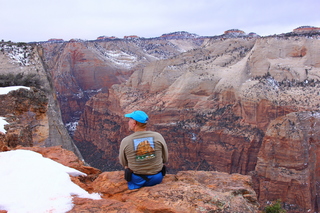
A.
x: 274, y: 208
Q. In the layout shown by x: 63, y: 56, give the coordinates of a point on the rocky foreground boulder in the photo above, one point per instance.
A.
x: 186, y: 191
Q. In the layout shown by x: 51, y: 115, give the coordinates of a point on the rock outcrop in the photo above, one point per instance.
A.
x: 34, y: 116
x: 288, y: 162
x: 306, y: 29
x: 187, y: 191
x: 26, y: 114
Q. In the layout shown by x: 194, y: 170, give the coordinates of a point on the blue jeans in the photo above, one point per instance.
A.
x: 138, y: 181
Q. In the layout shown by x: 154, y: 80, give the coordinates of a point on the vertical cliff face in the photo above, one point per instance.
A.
x: 34, y: 116
x: 215, y: 105
x: 82, y: 69
x: 288, y: 161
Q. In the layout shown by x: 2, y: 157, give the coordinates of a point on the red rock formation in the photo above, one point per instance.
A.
x: 130, y: 37
x: 101, y: 119
x: 3, y: 145
x: 237, y: 31
x: 190, y: 191
x: 288, y: 165
x: 77, y: 73
x: 306, y: 29
x: 26, y: 113
x: 81, y: 69
x: 213, y: 105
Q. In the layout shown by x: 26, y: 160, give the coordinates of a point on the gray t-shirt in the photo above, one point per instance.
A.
x: 144, y: 152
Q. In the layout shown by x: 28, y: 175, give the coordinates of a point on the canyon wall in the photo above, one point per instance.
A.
x: 213, y: 99
x: 81, y: 69
x: 33, y: 116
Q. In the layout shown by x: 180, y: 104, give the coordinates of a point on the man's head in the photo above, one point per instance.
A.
x: 139, y: 116
x: 138, y: 120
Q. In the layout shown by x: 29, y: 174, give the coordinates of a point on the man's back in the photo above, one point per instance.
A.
x: 144, y: 152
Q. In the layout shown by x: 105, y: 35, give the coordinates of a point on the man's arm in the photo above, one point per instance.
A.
x: 165, y: 154
x: 122, y: 157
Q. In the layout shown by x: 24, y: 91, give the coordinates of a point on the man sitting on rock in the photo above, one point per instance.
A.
x: 143, y: 153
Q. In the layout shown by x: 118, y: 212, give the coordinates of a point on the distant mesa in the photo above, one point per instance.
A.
x: 179, y: 35
x: 56, y: 40
x: 130, y: 37
x: 106, y: 37
x: 75, y: 40
x: 234, y: 31
x: 113, y: 37
x: 306, y: 29
x: 252, y: 34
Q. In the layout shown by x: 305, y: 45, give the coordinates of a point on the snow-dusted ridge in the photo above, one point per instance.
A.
x: 17, y: 52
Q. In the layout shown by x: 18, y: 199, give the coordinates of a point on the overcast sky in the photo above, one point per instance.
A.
x: 40, y: 20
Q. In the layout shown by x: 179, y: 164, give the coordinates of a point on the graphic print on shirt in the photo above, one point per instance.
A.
x: 144, y: 148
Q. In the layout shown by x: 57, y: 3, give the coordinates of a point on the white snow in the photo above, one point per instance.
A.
x: 2, y: 123
x: 18, y: 54
x: 6, y: 90
x: 30, y: 183
x: 72, y: 126
x: 121, y: 58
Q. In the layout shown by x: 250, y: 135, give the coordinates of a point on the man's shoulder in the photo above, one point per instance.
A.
x: 154, y: 133
x: 128, y: 137
x: 142, y: 134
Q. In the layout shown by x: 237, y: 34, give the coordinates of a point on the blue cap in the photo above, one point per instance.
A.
x: 139, y: 116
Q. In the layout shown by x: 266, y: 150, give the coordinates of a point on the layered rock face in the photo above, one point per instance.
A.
x: 82, y: 69
x: 244, y: 105
x: 288, y: 161
x: 27, y: 120
x: 33, y: 115
x: 214, y: 105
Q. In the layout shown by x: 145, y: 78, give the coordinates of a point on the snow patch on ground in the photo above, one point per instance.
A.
x: 31, y: 183
x: 6, y: 90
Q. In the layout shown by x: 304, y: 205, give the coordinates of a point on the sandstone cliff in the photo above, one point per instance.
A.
x: 81, y: 69
x: 288, y: 161
x: 34, y: 116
